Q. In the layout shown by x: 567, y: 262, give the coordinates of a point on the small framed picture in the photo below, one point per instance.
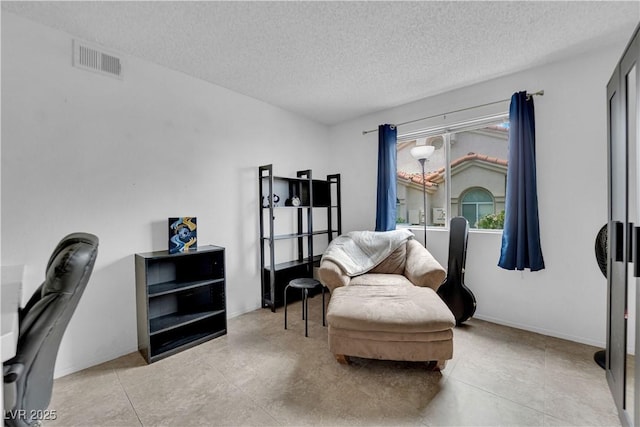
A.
x: 183, y: 234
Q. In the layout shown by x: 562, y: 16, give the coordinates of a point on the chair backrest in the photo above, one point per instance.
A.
x: 44, y: 320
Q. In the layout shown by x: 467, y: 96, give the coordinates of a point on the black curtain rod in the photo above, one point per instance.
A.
x: 529, y: 95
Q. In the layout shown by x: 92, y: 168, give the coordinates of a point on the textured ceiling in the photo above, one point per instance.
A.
x: 333, y: 61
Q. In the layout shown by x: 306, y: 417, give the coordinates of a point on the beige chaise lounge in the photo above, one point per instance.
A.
x: 392, y: 310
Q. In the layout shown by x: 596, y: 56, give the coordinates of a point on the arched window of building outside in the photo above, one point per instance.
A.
x: 476, y: 203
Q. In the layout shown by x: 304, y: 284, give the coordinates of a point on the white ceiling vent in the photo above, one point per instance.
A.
x: 96, y: 59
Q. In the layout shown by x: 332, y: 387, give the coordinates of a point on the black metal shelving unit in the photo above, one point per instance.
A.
x: 311, y: 194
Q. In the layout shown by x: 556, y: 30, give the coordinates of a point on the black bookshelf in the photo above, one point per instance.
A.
x: 180, y: 300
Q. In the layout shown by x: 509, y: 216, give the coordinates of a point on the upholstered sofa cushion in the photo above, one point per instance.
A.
x: 332, y: 276
x: 394, y: 337
x: 421, y: 268
x: 389, y: 308
x: 379, y: 279
x: 394, y: 263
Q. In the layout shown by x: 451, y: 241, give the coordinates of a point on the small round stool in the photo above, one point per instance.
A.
x: 304, y: 284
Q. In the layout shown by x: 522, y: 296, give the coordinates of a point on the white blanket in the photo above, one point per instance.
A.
x: 359, y: 251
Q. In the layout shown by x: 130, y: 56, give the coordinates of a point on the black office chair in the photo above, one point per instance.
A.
x: 453, y: 291
x: 28, y: 377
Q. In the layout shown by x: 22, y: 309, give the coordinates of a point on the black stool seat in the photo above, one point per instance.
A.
x: 304, y: 284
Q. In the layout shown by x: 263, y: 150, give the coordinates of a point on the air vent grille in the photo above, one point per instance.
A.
x: 95, y: 59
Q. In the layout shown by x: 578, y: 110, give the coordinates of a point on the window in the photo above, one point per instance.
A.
x: 476, y: 203
x: 466, y: 176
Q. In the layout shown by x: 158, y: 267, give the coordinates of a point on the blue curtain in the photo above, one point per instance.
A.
x: 387, y: 160
x: 521, y: 235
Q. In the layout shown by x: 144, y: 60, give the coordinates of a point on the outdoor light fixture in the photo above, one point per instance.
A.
x: 421, y: 153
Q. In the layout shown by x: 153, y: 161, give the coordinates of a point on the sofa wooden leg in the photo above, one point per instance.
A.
x: 342, y: 359
x: 436, y: 365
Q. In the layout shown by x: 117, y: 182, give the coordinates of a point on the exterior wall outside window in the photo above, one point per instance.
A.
x: 478, y: 160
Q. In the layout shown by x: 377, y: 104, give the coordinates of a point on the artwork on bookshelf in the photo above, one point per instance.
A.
x: 183, y: 234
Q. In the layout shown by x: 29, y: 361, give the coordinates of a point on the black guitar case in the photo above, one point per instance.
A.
x: 453, y: 291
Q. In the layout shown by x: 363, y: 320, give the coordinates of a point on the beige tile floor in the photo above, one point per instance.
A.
x: 260, y: 374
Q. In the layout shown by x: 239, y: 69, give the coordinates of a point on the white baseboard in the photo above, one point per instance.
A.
x: 541, y: 331
x: 67, y: 370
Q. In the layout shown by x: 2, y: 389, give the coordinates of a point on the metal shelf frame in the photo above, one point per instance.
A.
x: 302, y: 185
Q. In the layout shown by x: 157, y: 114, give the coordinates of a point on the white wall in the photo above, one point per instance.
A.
x: 84, y: 152
x: 568, y: 298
